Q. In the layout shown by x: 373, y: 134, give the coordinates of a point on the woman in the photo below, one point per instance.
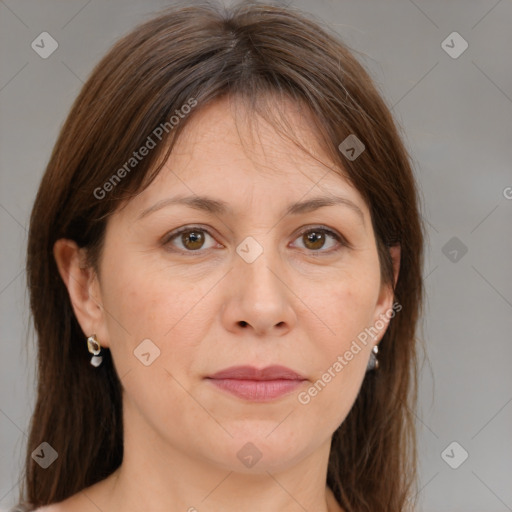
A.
x: 224, y: 265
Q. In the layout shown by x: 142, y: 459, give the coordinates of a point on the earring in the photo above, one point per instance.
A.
x: 373, y: 363
x: 94, y: 347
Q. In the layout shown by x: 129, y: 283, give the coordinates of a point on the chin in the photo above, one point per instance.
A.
x: 257, y: 450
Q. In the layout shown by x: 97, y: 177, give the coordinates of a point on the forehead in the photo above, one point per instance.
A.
x: 229, y: 134
x: 229, y: 151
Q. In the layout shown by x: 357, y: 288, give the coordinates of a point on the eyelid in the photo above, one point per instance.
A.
x: 329, y: 231
x: 168, y: 237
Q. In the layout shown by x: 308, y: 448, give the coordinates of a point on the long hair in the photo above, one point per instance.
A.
x: 192, y: 55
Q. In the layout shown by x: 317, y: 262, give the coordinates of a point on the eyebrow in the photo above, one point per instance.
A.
x: 219, y: 207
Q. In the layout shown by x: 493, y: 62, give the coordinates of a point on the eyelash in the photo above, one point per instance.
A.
x: 318, y: 229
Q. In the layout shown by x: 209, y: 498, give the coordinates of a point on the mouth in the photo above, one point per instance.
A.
x: 257, y: 385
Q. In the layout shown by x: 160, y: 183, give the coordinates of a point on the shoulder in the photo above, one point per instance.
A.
x: 54, y: 507
x: 26, y: 508
x: 75, y: 503
x: 82, y: 501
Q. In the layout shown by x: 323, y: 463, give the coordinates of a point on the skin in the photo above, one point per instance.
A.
x: 301, y: 310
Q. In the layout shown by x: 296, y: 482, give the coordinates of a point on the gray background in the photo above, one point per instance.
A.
x: 456, y: 116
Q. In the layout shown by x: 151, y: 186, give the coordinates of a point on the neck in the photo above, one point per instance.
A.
x: 159, y: 477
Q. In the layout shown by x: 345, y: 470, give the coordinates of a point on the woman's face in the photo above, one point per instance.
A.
x: 248, y: 283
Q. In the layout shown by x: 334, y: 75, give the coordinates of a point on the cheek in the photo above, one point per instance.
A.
x: 144, y: 302
x: 138, y: 296
x: 354, y: 304
x: 349, y: 309
x: 142, y: 305
x: 341, y: 351
x: 340, y: 360
x: 133, y: 301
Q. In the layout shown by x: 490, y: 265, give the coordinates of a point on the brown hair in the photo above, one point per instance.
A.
x: 201, y: 53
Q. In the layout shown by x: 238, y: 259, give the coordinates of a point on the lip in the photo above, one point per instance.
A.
x: 257, y: 385
x: 274, y: 372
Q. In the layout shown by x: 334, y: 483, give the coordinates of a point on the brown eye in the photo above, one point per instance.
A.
x: 192, y: 240
x: 314, y: 240
x: 318, y: 238
x: 188, y: 239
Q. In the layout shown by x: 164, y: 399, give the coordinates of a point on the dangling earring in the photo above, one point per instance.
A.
x: 94, y: 347
x: 373, y: 363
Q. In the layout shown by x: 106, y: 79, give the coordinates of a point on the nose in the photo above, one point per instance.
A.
x: 259, y: 299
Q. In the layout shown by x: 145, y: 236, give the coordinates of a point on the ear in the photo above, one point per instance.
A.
x: 384, y: 310
x: 83, y: 287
